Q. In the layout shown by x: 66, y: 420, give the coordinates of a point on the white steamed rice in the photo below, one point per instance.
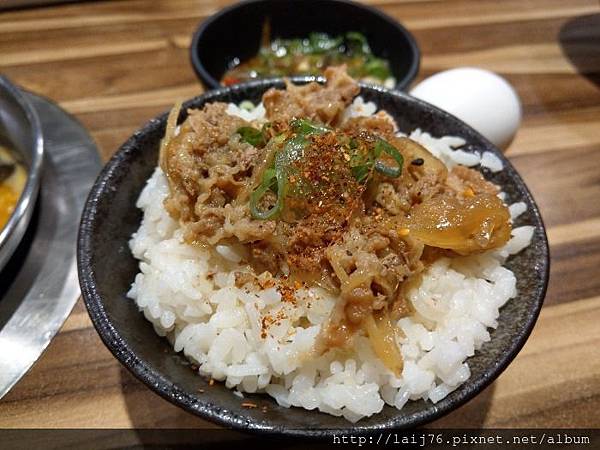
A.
x: 189, y: 295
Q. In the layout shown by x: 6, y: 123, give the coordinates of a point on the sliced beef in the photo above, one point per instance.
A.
x: 325, y: 104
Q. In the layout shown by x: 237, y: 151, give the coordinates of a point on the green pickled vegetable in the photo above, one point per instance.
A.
x: 310, y: 56
x: 357, y: 42
x: 322, y: 42
x: 377, y: 68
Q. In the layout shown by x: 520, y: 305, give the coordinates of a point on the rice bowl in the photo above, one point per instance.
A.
x: 190, y: 295
x: 107, y: 270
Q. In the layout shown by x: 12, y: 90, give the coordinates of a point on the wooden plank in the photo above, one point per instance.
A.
x: 574, y: 271
x: 79, y: 53
x: 586, y: 230
x: 564, y: 184
x: 530, y: 58
x: 117, y: 64
x: 161, y: 97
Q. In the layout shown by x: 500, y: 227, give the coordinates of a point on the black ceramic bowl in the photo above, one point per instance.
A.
x: 107, y: 269
x: 235, y: 32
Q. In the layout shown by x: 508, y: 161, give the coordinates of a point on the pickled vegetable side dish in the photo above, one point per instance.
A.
x: 310, y: 56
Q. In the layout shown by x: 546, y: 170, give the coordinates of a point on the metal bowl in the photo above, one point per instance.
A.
x: 20, y: 128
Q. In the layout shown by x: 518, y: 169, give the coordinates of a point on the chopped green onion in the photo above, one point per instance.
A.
x: 310, y: 55
x: 360, y: 173
x: 305, y: 127
x: 275, y: 178
x: 252, y: 136
x: 292, y: 151
x: 386, y: 147
x: 270, y: 181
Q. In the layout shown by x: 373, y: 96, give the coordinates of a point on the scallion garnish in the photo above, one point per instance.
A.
x: 305, y: 127
x: 364, y: 158
x: 276, y: 177
x: 382, y: 146
x: 270, y: 181
x: 252, y: 136
x: 361, y: 172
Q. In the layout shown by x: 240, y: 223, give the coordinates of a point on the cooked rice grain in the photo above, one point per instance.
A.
x: 190, y: 296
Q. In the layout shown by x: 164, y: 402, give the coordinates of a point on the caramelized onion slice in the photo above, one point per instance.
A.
x: 412, y: 150
x: 170, y: 128
x: 465, y: 225
x: 383, y: 340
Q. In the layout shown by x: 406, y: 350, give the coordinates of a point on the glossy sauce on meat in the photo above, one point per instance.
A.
x: 334, y: 201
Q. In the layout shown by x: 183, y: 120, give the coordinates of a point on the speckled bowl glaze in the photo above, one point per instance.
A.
x: 107, y: 269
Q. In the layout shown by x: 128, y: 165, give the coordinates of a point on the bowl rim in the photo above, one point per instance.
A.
x: 178, y: 396
x: 27, y: 199
x: 212, y: 83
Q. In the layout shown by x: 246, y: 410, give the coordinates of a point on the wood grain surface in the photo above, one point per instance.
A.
x: 116, y: 64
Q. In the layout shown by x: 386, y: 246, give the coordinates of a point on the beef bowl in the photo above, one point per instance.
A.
x: 303, y: 259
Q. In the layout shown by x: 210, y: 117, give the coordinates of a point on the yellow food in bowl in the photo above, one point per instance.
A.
x: 12, y: 180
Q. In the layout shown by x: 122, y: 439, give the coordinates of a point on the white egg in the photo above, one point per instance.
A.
x: 482, y: 99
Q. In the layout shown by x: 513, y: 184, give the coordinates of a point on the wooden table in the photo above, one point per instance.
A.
x: 115, y: 65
